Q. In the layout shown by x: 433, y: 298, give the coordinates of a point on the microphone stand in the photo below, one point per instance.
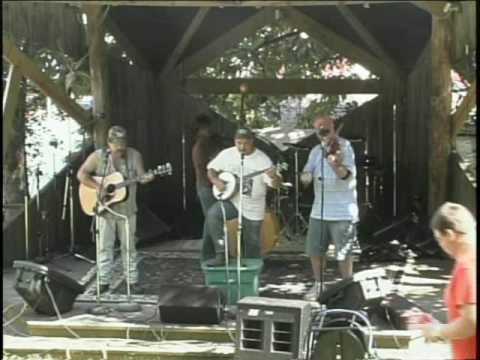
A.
x: 240, y: 228
x: 322, y: 191
x: 129, y: 306
x: 99, y: 309
x: 41, y: 259
x: 26, y: 200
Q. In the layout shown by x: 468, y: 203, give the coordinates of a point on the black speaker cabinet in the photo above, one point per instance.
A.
x: 191, y: 304
x: 30, y: 284
x: 366, y: 287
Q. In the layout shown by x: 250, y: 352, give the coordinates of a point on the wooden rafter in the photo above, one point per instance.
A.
x: 333, y: 40
x: 185, y: 41
x: 31, y: 71
x: 10, y: 101
x: 286, y: 86
x: 367, y: 37
x: 216, y: 48
x: 220, y: 4
x: 435, y: 8
x: 127, y: 45
x: 468, y: 103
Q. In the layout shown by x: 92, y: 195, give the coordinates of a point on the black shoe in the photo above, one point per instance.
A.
x: 136, y: 289
x: 218, y: 260
x: 103, y: 288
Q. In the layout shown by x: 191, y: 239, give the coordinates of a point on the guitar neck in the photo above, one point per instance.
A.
x: 128, y: 182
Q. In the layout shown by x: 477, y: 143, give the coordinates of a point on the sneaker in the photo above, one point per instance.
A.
x: 314, y: 293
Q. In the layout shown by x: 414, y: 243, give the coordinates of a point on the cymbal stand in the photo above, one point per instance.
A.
x: 42, y: 253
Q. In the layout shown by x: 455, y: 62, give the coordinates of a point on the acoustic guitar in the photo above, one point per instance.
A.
x: 114, y: 189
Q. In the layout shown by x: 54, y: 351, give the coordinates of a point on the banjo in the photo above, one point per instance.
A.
x: 232, y: 182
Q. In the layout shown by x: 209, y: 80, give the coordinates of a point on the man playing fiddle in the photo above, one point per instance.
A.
x: 331, y: 167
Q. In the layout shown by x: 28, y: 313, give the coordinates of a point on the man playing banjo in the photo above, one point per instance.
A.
x: 224, y: 173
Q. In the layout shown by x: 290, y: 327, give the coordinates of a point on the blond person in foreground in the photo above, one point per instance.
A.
x: 454, y: 228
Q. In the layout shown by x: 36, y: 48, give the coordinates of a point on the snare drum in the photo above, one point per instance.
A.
x: 270, y: 233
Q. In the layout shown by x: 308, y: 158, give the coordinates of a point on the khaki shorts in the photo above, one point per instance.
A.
x: 342, y: 233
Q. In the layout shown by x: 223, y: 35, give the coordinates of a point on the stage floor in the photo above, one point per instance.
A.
x: 286, y: 274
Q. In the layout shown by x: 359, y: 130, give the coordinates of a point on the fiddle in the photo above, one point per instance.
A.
x: 333, y: 145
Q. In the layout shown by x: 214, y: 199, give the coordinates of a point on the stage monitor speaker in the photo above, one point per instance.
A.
x: 31, y: 285
x: 191, y: 304
x: 273, y: 329
x: 365, y: 288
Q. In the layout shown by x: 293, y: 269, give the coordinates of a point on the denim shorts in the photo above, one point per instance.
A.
x: 343, y: 233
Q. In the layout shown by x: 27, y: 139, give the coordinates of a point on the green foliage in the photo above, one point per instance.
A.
x: 278, y: 51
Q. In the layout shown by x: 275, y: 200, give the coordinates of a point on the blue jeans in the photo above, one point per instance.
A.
x: 205, y: 195
x: 214, y: 233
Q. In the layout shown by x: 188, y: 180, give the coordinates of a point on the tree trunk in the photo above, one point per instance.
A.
x: 441, y: 102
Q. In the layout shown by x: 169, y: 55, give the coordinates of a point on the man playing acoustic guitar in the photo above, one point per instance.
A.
x: 258, y: 173
x: 102, y: 162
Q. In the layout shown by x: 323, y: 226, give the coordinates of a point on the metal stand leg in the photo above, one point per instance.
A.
x: 100, y: 309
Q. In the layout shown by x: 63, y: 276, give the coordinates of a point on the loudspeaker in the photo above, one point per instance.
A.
x: 31, y: 285
x: 191, y: 304
x: 367, y: 287
x: 274, y: 329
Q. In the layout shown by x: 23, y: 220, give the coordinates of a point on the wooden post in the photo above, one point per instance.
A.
x: 441, y: 102
x: 98, y: 72
x: 10, y: 101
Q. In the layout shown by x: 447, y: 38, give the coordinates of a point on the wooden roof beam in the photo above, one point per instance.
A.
x: 127, y: 45
x: 468, y: 103
x: 216, y: 48
x: 31, y: 71
x: 219, y: 4
x: 368, y: 38
x: 185, y: 41
x: 435, y: 8
x: 333, y: 40
x: 284, y: 86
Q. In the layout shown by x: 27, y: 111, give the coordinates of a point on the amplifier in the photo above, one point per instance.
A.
x: 270, y: 328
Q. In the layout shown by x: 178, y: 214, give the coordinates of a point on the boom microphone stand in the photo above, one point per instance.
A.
x: 129, y: 306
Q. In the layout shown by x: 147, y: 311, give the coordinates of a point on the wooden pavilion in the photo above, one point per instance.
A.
x: 144, y: 83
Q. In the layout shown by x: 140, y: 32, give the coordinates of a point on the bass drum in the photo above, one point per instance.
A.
x: 270, y: 234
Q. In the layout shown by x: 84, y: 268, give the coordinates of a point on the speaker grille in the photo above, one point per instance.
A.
x: 252, y: 335
x: 282, y: 337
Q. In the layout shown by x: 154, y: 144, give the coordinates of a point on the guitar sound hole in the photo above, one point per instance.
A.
x: 110, y: 188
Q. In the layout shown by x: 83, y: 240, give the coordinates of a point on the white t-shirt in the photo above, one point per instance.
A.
x: 255, y: 188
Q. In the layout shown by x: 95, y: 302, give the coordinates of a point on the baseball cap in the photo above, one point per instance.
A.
x: 244, y: 133
x: 117, y: 135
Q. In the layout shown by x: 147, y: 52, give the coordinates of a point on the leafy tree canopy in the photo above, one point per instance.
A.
x: 278, y: 51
